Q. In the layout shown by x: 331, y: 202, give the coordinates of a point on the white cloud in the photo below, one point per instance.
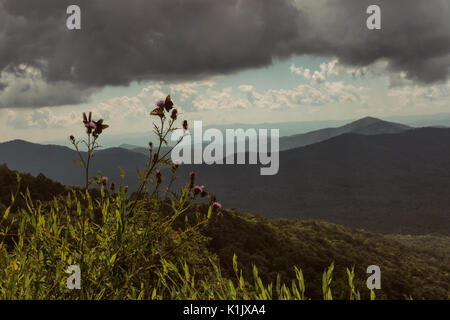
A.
x: 39, y: 118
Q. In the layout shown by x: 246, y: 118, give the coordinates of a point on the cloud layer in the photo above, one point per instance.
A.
x: 135, y: 40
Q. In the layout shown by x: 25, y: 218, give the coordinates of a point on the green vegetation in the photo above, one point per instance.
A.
x: 161, y: 244
x: 409, y: 267
x: 154, y: 252
x: 41, y: 188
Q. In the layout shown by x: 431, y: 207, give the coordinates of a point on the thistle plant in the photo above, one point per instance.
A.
x: 167, y: 115
x: 93, y: 131
x: 140, y: 247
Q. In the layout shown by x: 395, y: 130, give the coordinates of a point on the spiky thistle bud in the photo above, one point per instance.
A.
x: 158, y: 177
x: 191, y: 179
x: 174, y: 114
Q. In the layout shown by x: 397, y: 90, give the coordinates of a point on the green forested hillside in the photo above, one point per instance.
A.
x: 412, y: 266
x: 40, y: 187
x: 275, y: 246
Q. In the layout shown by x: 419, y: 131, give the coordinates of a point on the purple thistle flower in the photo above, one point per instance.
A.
x: 90, y: 125
x: 160, y: 103
x: 197, y: 189
x: 217, y: 205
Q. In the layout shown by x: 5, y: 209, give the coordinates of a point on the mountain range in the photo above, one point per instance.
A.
x: 368, y: 126
x: 370, y: 174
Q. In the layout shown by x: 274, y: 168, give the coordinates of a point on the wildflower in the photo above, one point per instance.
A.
x: 216, y: 205
x: 168, y: 104
x: 185, y: 125
x: 90, y: 125
x: 160, y: 103
x: 88, y: 122
x: 198, y: 189
x: 104, y: 180
x: 126, y: 189
x: 87, y: 119
x: 99, y: 127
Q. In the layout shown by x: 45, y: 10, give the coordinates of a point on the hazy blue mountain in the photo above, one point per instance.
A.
x: 430, y: 120
x: 366, y: 125
x: 389, y: 183
x: 56, y: 162
x: 128, y: 146
x: 396, y: 183
x: 141, y: 139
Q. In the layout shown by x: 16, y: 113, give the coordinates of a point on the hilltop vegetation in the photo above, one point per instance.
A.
x: 275, y: 246
x: 40, y: 187
x: 412, y: 266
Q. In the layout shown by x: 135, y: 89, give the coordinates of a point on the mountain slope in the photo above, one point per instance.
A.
x: 388, y: 183
x: 276, y: 245
x: 368, y: 126
x: 40, y: 187
x: 56, y: 162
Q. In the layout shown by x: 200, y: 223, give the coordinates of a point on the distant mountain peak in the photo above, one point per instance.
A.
x: 367, y: 125
x: 365, y: 121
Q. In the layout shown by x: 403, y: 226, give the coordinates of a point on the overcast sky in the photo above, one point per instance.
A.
x: 225, y: 61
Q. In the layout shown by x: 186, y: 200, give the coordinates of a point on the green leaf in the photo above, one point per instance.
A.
x: 210, y: 212
x: 6, y: 214
x: 113, y: 258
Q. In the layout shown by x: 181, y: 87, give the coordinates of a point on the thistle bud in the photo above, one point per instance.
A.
x: 72, y: 139
x: 158, y: 177
x: 185, y: 125
x: 174, y: 168
x: 174, y: 114
x: 191, y: 179
x: 113, y: 186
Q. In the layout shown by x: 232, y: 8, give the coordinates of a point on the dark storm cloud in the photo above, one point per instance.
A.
x: 123, y: 41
